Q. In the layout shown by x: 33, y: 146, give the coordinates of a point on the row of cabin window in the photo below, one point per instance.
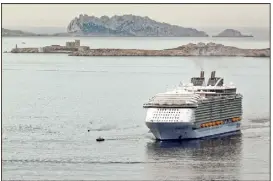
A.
x: 168, y: 110
x: 167, y: 120
x: 166, y: 114
x: 165, y: 117
x: 221, y: 90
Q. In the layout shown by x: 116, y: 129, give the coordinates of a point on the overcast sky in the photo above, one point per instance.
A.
x: 188, y: 15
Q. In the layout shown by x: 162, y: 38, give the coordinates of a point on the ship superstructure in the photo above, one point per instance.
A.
x: 195, y: 110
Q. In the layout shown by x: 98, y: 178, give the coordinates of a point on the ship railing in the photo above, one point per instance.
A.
x: 168, y: 97
x: 227, y: 97
x: 173, y: 101
x: 169, y: 105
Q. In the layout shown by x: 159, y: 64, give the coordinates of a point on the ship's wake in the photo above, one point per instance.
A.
x: 255, y: 123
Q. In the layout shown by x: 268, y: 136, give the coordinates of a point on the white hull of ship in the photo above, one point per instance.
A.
x: 180, y: 130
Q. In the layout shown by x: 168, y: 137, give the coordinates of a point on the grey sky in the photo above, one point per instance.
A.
x: 188, y: 15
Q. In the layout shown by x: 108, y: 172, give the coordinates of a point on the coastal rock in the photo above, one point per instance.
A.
x: 213, y: 49
x: 200, y: 49
x: 231, y: 33
x: 25, y: 50
x: 127, y: 25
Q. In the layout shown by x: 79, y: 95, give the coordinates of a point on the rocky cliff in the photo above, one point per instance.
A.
x: 128, y: 25
x: 231, y: 33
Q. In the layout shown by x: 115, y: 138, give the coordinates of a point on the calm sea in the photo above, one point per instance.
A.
x: 50, y: 101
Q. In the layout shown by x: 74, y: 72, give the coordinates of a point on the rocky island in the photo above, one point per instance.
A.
x: 117, y: 26
x: 128, y: 25
x: 200, y: 49
x: 231, y: 33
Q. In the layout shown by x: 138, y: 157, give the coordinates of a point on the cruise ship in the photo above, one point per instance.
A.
x: 195, y: 110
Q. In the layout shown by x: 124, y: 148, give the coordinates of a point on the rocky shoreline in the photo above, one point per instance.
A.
x: 200, y: 49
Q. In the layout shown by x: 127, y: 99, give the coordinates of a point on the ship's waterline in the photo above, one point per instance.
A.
x: 174, y: 131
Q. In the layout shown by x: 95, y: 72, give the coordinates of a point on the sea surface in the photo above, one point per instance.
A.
x: 50, y: 101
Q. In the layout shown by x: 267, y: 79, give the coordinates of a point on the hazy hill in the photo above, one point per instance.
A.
x: 128, y: 25
x: 7, y: 32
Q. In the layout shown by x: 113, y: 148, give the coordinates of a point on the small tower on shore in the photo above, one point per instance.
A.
x: 77, y: 43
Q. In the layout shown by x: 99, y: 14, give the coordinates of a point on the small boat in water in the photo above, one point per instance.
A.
x: 100, y: 139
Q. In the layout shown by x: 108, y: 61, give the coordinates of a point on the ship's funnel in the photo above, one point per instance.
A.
x: 212, y: 74
x: 202, y: 74
x: 198, y: 81
x: 215, y: 80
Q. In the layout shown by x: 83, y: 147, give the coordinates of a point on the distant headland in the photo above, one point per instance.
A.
x: 201, y: 49
x: 20, y: 33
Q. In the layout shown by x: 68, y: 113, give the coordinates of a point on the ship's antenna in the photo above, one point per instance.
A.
x: 180, y: 84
